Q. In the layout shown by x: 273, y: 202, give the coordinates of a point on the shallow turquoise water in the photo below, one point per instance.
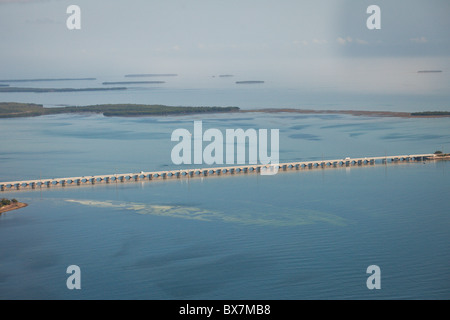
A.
x: 295, y: 235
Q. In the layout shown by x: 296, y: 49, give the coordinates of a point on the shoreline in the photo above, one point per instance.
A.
x: 12, y: 207
x: 353, y: 113
x: 16, y: 110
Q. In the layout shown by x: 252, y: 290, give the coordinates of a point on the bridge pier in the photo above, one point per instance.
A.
x: 2, y: 187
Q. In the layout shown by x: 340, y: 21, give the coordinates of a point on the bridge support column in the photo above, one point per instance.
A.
x: 136, y: 178
x: 150, y: 177
x: 64, y: 182
x: 107, y: 179
x: 2, y: 187
x: 49, y: 184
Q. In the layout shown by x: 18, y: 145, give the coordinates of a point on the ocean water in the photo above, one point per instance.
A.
x: 276, y: 92
x: 295, y: 235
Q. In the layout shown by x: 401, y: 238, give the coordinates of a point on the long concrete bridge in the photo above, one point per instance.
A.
x: 189, y: 173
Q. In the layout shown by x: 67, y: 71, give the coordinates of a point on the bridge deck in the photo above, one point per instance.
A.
x: 17, y: 185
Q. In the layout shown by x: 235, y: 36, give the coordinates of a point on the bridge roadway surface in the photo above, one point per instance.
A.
x: 182, y: 173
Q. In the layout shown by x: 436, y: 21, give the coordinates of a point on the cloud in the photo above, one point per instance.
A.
x: 359, y: 41
x: 341, y: 41
x: 318, y: 41
x: 344, y: 41
x: 297, y: 42
x: 419, y: 40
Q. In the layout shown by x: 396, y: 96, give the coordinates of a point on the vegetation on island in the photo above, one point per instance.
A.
x: 442, y: 155
x: 14, y: 110
x: 133, y: 82
x: 249, y: 82
x: 41, y: 90
x: 8, y: 205
x: 49, y: 79
x: 431, y: 113
x: 138, y: 75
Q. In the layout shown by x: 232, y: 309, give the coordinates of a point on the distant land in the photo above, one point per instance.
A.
x: 15, y: 110
x: 424, y: 114
x: 41, y: 90
x: 151, y: 75
x: 429, y: 71
x: 226, y: 75
x: 133, y: 82
x: 249, y: 82
x: 50, y: 79
x: 4, y: 85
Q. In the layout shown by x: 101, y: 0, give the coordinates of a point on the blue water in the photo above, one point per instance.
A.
x: 295, y: 235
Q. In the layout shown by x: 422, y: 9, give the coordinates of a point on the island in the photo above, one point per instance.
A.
x: 15, y: 110
x: 429, y: 71
x: 133, y: 82
x: 249, y: 82
x: 50, y: 79
x: 439, y: 155
x: 151, y: 75
x: 431, y: 113
x: 9, y: 205
x: 41, y: 90
x: 425, y: 114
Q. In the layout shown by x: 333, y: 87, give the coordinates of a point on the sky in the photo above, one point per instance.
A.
x: 318, y: 41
